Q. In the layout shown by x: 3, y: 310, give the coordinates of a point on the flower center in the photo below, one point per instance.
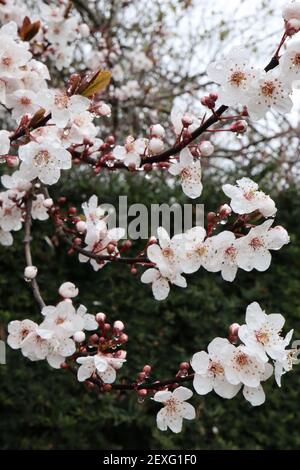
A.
x: 41, y: 158
x: 296, y: 60
x: 249, y: 195
x: 25, y: 101
x: 262, y: 336
x: 237, y: 78
x: 185, y: 173
x: 230, y: 252
x: 216, y: 368
x: 6, y: 61
x: 200, y: 250
x: 59, y: 320
x: 241, y: 359
x: 256, y: 243
x: 168, y: 252
x: 268, y: 88
x: 171, y: 405
x: 24, y: 332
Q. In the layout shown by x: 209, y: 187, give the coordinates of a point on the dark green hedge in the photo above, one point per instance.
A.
x: 43, y: 408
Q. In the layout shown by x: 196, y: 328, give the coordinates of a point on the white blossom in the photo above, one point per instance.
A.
x: 261, y: 333
x: 253, y: 249
x: 10, y: 213
x: 132, y: 151
x: 189, y: 172
x: 6, y: 238
x: 246, y: 198
x: 270, y: 91
x: 62, y: 107
x: 242, y: 366
x: 104, y: 365
x: 39, y: 210
x: 209, y: 371
x: 43, y: 161
x: 235, y: 75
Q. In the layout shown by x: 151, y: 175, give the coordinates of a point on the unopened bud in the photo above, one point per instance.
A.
x: 233, y: 332
x: 12, y: 161
x: 187, y: 120
x: 79, y: 336
x: 155, y: 145
x: 81, y: 226
x: 68, y: 290
x: 100, y: 317
x: 48, y: 203
x: 123, y: 338
x: 30, y: 272
x: 119, y: 325
x: 211, y: 217
x: 206, y: 148
x: 157, y: 131
x: 239, y: 126
x: 224, y: 211
x: 208, y: 102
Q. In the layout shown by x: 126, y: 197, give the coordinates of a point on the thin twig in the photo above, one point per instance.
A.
x: 27, y: 248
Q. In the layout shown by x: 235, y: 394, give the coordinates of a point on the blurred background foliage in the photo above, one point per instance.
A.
x: 42, y: 408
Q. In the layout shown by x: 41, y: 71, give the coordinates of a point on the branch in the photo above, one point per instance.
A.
x: 153, y: 385
x: 27, y: 249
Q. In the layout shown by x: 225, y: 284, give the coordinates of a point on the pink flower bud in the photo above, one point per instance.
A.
x: 214, y: 96
x: 233, y: 332
x: 81, y: 226
x: 187, y: 120
x: 224, y: 211
x: 94, y: 339
x: 239, y: 126
x: 100, y: 317
x: 208, y: 102
x: 142, y: 392
x: 119, y: 325
x: 79, y: 336
x: 211, y: 217
x: 123, y: 338
x: 48, y: 203
x: 206, y: 148
x: 30, y: 272
x: 12, y: 161
x: 147, y: 369
x: 110, y: 140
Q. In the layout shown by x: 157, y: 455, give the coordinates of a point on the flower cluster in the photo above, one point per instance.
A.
x: 54, y: 339
x: 58, y: 29
x: 225, y: 252
x: 226, y: 367
x: 61, y: 336
x: 12, y: 206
